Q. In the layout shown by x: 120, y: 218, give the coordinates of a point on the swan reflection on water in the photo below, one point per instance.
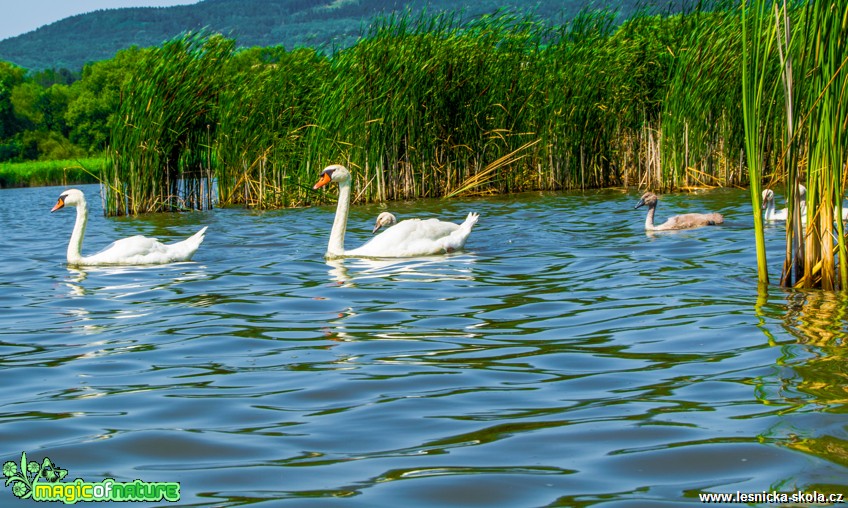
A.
x: 139, y: 282
x: 347, y: 271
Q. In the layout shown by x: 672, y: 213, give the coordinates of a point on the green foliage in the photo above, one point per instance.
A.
x: 38, y: 129
x: 25, y: 99
x: 97, y: 97
x: 10, y: 77
x: 51, y: 172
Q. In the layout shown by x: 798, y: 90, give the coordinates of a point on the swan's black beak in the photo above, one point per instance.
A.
x: 640, y: 203
x: 59, y: 204
x: 324, y: 180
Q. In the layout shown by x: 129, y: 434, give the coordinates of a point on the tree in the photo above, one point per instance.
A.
x: 10, y: 76
x: 96, y: 99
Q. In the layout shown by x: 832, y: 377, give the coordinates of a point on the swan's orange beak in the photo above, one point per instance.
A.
x: 324, y: 180
x: 59, y: 204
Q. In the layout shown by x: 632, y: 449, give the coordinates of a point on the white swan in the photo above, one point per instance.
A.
x: 771, y: 214
x: 409, y: 238
x: 135, y: 250
x: 685, y: 221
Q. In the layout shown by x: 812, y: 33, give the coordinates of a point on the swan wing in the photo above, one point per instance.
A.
x: 417, y: 237
x: 692, y: 220
x: 142, y: 250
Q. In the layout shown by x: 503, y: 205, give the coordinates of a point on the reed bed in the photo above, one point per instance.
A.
x: 162, y: 152
x: 824, y: 92
x: 805, y: 136
x: 436, y: 105
x: 264, y: 116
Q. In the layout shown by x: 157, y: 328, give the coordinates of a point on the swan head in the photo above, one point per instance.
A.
x: 334, y: 173
x: 384, y: 219
x: 648, y: 199
x: 70, y: 197
x: 768, y: 196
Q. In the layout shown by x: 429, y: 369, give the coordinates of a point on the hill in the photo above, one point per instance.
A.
x: 74, y: 41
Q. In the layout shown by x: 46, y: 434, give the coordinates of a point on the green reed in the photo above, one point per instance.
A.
x: 701, y: 124
x: 780, y: 41
x: 435, y: 105
x: 419, y: 106
x: 786, y: 44
x: 823, y: 93
x: 51, y: 172
x: 162, y: 155
x: 265, y: 114
x: 757, y: 59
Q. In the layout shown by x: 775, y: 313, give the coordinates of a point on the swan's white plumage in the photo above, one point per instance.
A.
x: 417, y: 237
x: 135, y: 250
x: 408, y: 238
x: 770, y: 212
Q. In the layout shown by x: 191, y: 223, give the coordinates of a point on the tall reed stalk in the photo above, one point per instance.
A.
x: 793, y: 264
x: 758, y: 38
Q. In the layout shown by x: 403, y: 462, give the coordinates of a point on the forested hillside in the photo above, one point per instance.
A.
x: 322, y: 24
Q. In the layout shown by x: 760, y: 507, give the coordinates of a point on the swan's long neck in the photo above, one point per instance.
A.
x: 75, y: 245
x: 335, y: 248
x: 649, y: 219
x: 770, y: 211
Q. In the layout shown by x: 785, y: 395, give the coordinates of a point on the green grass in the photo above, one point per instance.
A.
x: 56, y: 172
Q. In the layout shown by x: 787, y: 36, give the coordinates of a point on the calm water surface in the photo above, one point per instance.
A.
x: 567, y: 358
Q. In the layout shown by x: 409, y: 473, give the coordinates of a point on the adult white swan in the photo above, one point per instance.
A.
x: 770, y: 213
x: 135, y: 250
x: 409, y: 238
x: 685, y: 221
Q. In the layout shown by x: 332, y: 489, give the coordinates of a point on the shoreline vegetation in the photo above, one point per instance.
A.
x: 51, y: 172
x: 435, y: 106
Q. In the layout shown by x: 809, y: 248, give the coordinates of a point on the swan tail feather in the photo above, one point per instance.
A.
x: 457, y: 239
x: 186, y: 249
x: 470, y: 220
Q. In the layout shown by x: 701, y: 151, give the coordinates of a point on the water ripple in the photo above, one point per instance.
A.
x: 567, y: 358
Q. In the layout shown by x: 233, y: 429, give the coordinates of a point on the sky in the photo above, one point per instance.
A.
x: 19, y: 16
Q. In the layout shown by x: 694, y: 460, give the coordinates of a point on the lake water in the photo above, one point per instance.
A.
x: 566, y: 358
